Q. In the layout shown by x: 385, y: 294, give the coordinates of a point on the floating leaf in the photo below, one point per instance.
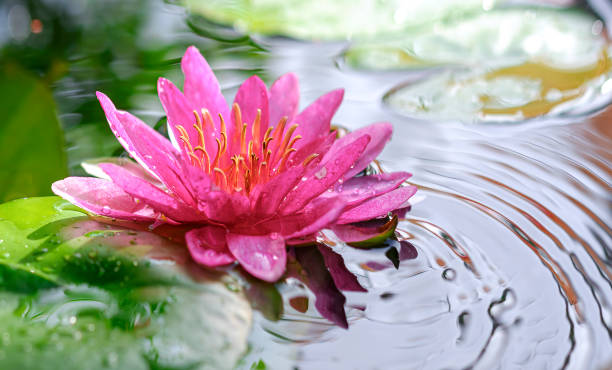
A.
x: 367, y: 234
x: 321, y: 19
x: 28, y: 164
x: 104, y: 296
x: 565, y: 39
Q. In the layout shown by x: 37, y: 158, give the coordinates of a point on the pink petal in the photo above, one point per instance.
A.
x: 102, y: 197
x: 284, y: 98
x: 201, y: 86
x: 359, y: 189
x: 208, y: 247
x: 151, y: 195
x: 316, y: 216
x: 150, y: 149
x: 180, y: 112
x: 93, y: 168
x: 223, y: 207
x: 263, y: 256
x: 378, y: 206
x: 325, y: 176
x: 319, y: 146
x: 251, y: 96
x: 380, y: 133
x: 314, y: 121
x: 266, y: 197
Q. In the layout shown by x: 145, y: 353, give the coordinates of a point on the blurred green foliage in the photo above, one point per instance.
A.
x: 31, y: 139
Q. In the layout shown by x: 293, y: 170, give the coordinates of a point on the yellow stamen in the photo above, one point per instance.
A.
x: 219, y: 153
x: 208, y: 120
x: 219, y: 171
x: 237, y: 122
x: 256, y: 128
x: 292, y: 142
x: 309, y: 159
x: 283, y: 147
x: 243, y: 139
x: 284, y: 158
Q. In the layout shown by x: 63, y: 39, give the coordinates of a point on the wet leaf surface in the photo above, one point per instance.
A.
x: 92, y: 296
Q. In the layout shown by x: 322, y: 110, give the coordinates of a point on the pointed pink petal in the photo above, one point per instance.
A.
x: 93, y: 168
x: 208, y: 247
x: 150, y: 149
x: 319, y: 145
x: 314, y: 121
x: 201, y: 86
x: 284, y: 98
x: 359, y: 189
x: 266, y: 197
x: 315, y: 217
x: 151, y: 195
x: 251, y: 96
x: 380, y: 134
x: 324, y: 176
x: 263, y: 256
x: 102, y: 197
x: 180, y: 112
x: 378, y: 206
x: 343, y: 278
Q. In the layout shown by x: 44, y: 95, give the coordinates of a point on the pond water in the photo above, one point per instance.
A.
x: 508, y: 264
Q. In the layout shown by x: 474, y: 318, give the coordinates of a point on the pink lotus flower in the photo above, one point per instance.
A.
x: 247, y: 180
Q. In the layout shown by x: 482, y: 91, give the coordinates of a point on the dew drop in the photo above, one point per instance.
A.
x: 321, y: 173
x: 106, y: 210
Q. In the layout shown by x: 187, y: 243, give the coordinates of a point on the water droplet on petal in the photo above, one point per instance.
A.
x: 321, y: 173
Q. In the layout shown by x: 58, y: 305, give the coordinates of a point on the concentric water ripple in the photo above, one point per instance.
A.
x: 512, y: 233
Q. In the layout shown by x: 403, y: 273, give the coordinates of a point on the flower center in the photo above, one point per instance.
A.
x: 239, y: 165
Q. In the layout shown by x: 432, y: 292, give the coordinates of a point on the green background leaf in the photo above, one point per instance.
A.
x: 28, y: 164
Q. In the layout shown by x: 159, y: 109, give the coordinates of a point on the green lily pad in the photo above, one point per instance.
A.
x: 329, y: 20
x: 565, y: 39
x: 507, y: 94
x: 28, y: 164
x: 101, y: 296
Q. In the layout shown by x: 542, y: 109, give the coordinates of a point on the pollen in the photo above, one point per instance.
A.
x: 239, y: 163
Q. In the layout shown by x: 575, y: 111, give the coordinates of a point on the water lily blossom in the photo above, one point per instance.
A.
x: 247, y: 179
